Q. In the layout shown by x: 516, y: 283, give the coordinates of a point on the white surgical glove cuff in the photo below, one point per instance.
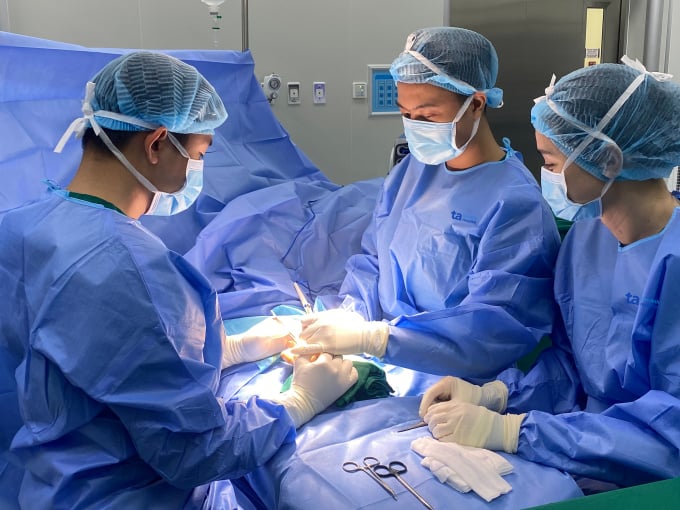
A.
x: 375, y: 336
x: 511, y: 425
x: 232, y: 351
x: 299, y: 406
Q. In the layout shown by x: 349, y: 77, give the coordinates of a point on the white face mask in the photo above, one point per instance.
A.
x: 434, y: 143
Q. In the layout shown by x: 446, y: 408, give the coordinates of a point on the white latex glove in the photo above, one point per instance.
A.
x: 468, y: 424
x: 266, y: 338
x: 316, y: 385
x: 465, y: 468
x: 493, y: 395
x: 342, y: 332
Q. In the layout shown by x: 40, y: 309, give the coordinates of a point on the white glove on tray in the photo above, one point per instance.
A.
x: 465, y: 468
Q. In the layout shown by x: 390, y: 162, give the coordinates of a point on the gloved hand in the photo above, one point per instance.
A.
x: 493, y: 395
x: 342, y: 332
x: 468, y: 424
x: 264, y: 339
x: 316, y: 385
x: 465, y: 468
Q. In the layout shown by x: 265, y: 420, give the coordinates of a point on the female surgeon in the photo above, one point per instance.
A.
x: 457, y: 263
x: 605, y: 404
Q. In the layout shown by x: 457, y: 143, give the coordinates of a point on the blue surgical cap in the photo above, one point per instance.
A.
x: 466, y: 61
x: 646, y: 127
x: 159, y: 90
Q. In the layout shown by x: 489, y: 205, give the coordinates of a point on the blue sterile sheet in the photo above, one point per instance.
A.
x: 309, y: 473
x: 267, y: 216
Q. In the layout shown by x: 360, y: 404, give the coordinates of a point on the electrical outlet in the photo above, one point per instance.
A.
x: 319, y: 92
x: 293, y: 92
x: 359, y: 90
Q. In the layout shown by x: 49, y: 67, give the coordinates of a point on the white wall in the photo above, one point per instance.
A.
x: 302, y: 40
x: 634, y: 40
x: 673, y: 62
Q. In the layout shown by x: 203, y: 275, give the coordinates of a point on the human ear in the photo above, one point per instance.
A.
x: 613, y: 161
x: 151, y: 144
x: 478, y: 102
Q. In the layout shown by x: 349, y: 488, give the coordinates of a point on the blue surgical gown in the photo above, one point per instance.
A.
x: 118, y: 345
x: 461, y: 265
x: 620, y: 311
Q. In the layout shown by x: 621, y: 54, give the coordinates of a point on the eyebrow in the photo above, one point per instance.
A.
x: 419, y: 107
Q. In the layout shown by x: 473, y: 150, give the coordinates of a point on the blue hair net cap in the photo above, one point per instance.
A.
x: 467, y: 61
x: 646, y: 128
x: 158, y: 89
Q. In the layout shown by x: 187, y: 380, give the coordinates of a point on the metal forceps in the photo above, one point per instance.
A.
x: 303, y: 299
x: 369, y: 464
x: 396, y: 469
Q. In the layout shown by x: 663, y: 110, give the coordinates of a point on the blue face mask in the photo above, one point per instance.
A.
x: 167, y: 204
x: 434, y: 143
x: 162, y: 204
x: 554, y: 190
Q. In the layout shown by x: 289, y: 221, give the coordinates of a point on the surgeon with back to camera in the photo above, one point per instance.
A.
x: 115, y: 343
x: 603, y: 405
x: 456, y: 271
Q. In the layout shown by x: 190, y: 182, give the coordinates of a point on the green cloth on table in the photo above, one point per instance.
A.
x: 372, y: 383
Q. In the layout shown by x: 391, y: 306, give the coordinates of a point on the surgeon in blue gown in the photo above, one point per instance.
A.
x: 456, y: 270
x: 111, y: 344
x: 605, y: 403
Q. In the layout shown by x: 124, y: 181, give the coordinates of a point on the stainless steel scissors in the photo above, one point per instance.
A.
x: 369, y: 463
x: 396, y: 469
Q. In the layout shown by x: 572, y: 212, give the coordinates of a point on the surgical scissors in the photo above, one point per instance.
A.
x: 352, y: 467
x: 396, y: 469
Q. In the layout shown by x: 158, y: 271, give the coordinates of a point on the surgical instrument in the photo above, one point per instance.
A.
x: 285, y: 354
x: 352, y: 467
x: 302, y: 298
x: 416, y: 425
x: 396, y: 469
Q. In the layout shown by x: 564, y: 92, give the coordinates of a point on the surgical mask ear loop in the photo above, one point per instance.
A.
x: 456, y: 119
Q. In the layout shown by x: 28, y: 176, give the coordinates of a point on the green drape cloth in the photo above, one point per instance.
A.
x: 372, y: 383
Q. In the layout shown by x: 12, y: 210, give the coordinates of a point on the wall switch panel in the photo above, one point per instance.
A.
x: 319, y: 92
x: 293, y: 92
